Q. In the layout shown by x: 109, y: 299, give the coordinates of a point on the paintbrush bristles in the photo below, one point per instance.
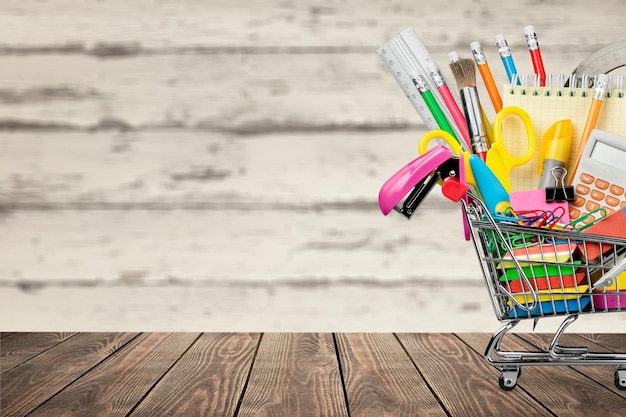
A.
x: 464, y: 71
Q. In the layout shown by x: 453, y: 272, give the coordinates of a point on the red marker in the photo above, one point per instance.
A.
x: 535, y: 54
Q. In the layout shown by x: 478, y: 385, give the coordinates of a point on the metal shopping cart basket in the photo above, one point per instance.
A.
x: 530, y: 272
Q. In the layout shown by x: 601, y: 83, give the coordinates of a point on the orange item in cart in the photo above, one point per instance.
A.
x: 614, y: 225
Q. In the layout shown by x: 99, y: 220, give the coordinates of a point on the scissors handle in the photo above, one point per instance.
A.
x: 530, y: 135
x: 442, y: 135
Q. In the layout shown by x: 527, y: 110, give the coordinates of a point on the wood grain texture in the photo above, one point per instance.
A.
x: 209, y: 170
x: 207, y: 381
x: 115, y: 386
x: 53, y: 370
x: 94, y: 247
x: 601, y: 374
x: 184, y: 145
x: 17, y: 350
x: 612, y: 342
x: 461, y: 380
x: 295, y: 374
x: 262, y: 23
x: 381, y: 380
x: 334, y: 305
x: 562, y: 390
x: 229, y: 93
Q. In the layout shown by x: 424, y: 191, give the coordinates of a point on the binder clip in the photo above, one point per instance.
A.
x: 560, y: 192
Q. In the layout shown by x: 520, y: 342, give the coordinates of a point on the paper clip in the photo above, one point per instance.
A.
x: 583, y: 221
x: 561, y: 192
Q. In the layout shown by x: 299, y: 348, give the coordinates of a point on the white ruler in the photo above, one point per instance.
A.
x: 406, y: 56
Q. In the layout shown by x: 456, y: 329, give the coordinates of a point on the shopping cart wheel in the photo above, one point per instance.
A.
x: 620, y: 378
x: 508, y: 379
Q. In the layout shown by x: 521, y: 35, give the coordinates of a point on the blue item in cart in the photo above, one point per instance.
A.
x: 545, y: 308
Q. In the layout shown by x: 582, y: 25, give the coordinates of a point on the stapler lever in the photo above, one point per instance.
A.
x: 417, y: 179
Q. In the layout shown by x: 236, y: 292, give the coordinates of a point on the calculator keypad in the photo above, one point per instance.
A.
x: 592, y: 193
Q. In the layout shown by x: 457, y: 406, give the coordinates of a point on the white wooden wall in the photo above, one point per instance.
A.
x: 215, y: 165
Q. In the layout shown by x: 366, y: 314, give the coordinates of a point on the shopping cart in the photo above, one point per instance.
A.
x: 530, y: 272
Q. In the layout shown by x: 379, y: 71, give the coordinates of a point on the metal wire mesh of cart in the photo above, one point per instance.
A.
x: 536, y: 272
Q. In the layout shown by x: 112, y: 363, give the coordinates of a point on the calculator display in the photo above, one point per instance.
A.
x: 602, y: 152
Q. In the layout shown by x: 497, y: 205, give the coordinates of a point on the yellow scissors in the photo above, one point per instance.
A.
x: 499, y: 160
x: 454, y: 146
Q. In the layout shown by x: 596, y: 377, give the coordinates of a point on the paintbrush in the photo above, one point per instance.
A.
x: 464, y: 71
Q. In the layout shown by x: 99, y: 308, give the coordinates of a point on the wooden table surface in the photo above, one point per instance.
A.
x: 293, y: 374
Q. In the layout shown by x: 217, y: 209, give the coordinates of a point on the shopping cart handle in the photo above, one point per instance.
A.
x: 417, y: 178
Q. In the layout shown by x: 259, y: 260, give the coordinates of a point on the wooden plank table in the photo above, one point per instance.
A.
x: 292, y: 374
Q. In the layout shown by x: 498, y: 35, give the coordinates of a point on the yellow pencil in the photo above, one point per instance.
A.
x: 592, y: 116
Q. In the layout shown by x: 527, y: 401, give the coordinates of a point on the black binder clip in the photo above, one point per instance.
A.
x: 560, y: 192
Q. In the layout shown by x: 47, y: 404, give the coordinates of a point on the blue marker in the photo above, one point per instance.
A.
x: 507, y: 59
x: 491, y: 190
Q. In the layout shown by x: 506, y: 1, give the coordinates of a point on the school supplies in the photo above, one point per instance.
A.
x: 609, y: 297
x: 434, y: 108
x: 542, y: 277
x: 592, y: 116
x: 406, y: 56
x: 559, y: 192
x: 554, y: 152
x: 449, y: 101
x: 600, y: 180
x: 491, y: 190
x: 487, y: 76
x: 536, y: 200
x: 547, y: 105
x: 535, y: 53
x: 416, y: 179
x: 443, y: 136
x: 464, y: 71
x: 507, y: 58
x: 614, y: 225
x: 533, y: 267
x: 499, y: 159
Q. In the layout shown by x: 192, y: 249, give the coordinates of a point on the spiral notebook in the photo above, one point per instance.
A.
x: 545, y: 106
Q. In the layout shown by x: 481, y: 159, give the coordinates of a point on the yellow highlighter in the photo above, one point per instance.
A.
x: 553, y: 153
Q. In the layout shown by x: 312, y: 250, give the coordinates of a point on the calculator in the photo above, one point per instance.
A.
x: 600, y: 179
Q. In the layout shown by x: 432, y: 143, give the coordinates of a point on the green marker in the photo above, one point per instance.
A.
x: 434, y: 108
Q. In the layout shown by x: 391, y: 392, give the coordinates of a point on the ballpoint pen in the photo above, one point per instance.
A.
x: 535, y: 53
x: 592, y: 117
x: 485, y: 73
x: 507, y: 58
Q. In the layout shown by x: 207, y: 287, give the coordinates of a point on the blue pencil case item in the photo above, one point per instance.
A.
x: 561, y: 306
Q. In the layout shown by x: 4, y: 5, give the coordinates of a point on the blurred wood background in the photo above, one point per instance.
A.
x: 215, y: 165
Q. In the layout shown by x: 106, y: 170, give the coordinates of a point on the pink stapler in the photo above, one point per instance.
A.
x: 418, y: 177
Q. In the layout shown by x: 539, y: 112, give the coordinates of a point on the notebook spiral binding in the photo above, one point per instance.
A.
x: 583, y: 85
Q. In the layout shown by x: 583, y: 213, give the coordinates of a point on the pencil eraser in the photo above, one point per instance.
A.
x: 475, y: 45
x: 500, y: 38
x: 529, y: 30
x: 603, y: 78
